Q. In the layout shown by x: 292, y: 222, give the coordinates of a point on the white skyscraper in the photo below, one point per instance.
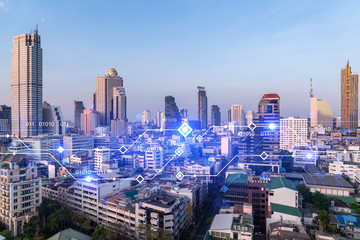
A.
x: 293, y: 133
x: 237, y: 113
x: 101, y: 155
x: 145, y: 117
x: 154, y: 158
x: 26, y: 85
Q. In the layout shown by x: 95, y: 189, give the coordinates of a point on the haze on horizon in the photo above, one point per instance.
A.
x: 237, y: 50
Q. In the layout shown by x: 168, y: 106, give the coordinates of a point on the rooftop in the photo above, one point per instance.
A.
x: 278, y: 182
x: 70, y: 234
x: 285, y: 209
x: 326, y: 180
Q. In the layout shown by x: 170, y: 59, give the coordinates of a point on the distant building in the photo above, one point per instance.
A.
x: 53, y: 120
x: 145, y: 117
x: 229, y: 115
x: 172, y: 115
x: 101, y: 155
x: 154, y: 158
x: 5, y: 122
x: 293, y: 132
x: 238, y: 114
x: 75, y: 144
x: 90, y: 120
x: 202, y: 107
x: 349, y: 98
x: 321, y: 115
x: 104, y: 95
x: 78, y: 109
x: 232, y: 226
x: 249, y: 117
x: 215, y: 115
x: 226, y: 147
x: 26, y: 85
x: 184, y: 113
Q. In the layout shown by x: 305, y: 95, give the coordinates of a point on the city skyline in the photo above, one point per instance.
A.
x: 274, y: 67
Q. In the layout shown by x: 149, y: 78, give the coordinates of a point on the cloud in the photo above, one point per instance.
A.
x: 2, y: 5
x: 43, y: 19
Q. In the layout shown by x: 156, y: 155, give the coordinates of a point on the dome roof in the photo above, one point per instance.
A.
x: 112, y: 70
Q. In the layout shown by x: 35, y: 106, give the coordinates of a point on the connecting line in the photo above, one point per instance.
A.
x: 207, y: 131
x: 297, y: 135
x: 277, y: 162
x: 23, y: 143
x: 163, y: 167
x: 338, y: 132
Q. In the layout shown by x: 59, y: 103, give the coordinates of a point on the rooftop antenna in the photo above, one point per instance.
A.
x: 311, y: 89
x: 36, y: 30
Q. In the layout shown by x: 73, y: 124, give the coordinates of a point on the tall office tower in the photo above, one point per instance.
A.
x: 172, y: 116
x: 293, y: 133
x: 158, y: 119
x: 90, y: 120
x: 26, y: 85
x: 229, y: 115
x: 238, y: 114
x: 145, y: 117
x: 119, y: 103
x: 20, y: 191
x: 93, y: 100
x: 154, y: 158
x: 202, y: 107
x: 162, y: 120
x: 184, y: 113
x: 267, y: 134
x: 249, y: 117
x: 104, y: 95
x: 349, y: 98
x: 215, y: 115
x: 5, y: 122
x: 78, y: 109
x: 101, y: 155
x: 227, y: 147
x: 321, y: 115
x: 53, y: 120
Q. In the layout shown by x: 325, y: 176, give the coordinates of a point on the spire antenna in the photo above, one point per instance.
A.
x: 311, y: 89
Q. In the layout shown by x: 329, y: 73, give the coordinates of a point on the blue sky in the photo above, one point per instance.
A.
x: 238, y: 50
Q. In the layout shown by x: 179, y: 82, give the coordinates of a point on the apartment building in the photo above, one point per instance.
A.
x: 20, y: 191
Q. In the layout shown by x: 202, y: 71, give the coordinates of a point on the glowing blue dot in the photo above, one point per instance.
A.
x: 309, y: 155
x: 88, y: 179
x: 60, y: 149
x: 272, y: 126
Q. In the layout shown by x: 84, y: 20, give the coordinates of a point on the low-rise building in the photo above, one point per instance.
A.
x: 232, y: 226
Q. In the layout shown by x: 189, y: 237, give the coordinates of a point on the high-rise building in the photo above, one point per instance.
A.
x: 158, y: 118
x: 227, y: 147
x: 321, y: 115
x: 229, y: 115
x: 202, y: 107
x: 53, y: 120
x: 238, y: 114
x: 249, y: 117
x: 184, y: 113
x: 293, y: 133
x: 90, y: 120
x: 154, y: 158
x: 77, y: 144
x: 20, y: 191
x: 145, y: 117
x: 26, y: 85
x: 101, y: 155
x: 172, y: 114
x: 5, y: 122
x: 78, y: 109
x: 349, y: 98
x: 119, y: 103
x: 215, y: 115
x: 103, y: 96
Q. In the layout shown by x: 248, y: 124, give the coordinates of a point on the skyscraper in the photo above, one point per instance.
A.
x: 119, y: 123
x: 89, y: 121
x: 78, y: 109
x: 202, y: 107
x: 26, y: 85
x: 349, y: 98
x: 53, y: 120
x: 172, y: 115
x: 238, y: 114
x: 103, y: 97
x: 145, y: 117
x: 215, y: 115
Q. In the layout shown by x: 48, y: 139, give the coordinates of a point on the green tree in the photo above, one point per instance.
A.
x: 305, y: 192
x: 58, y: 220
x: 81, y: 222
x: 32, y: 227
x: 2, y: 226
x: 322, y: 220
x: 105, y: 233
x: 321, y: 201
